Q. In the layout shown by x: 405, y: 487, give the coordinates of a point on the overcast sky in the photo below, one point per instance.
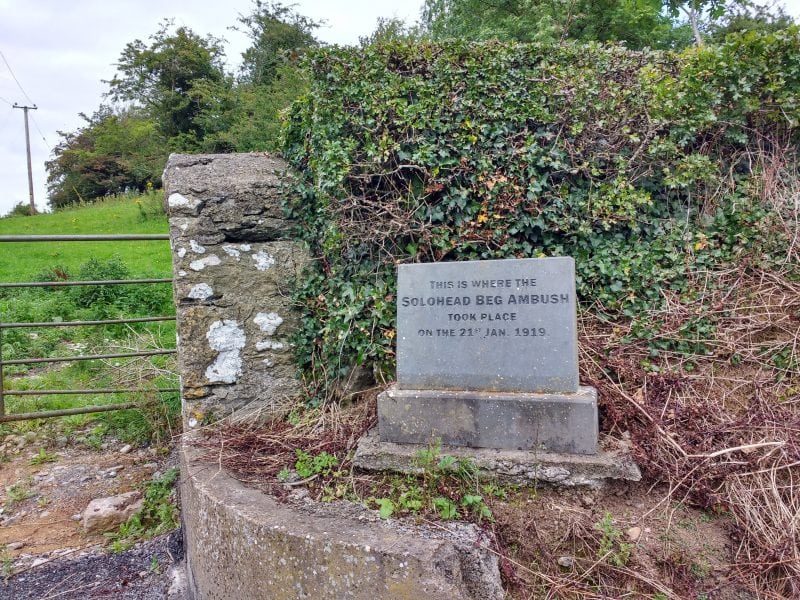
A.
x: 61, y: 50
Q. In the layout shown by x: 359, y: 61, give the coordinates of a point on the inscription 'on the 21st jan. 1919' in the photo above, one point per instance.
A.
x: 482, y: 307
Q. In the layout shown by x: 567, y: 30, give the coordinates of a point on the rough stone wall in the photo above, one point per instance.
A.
x: 233, y: 264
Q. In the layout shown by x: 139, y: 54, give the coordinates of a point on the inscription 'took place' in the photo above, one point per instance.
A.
x: 493, y: 325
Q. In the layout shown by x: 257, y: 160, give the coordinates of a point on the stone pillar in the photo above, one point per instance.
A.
x: 234, y: 263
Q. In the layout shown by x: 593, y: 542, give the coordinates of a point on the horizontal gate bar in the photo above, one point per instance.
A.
x: 85, y: 238
x: 86, y: 392
x: 31, y: 361
x: 63, y: 283
x: 46, y: 414
x: 81, y: 323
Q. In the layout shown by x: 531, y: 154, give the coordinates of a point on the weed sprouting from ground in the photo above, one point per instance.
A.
x: 158, y: 514
x: 612, y: 548
x: 17, y: 493
x: 43, y: 457
x: 446, y: 487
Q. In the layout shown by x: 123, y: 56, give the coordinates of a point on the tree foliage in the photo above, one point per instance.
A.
x: 658, y: 24
x: 638, y: 23
x: 179, y: 98
x: 165, y: 78
x: 247, y: 118
x: 744, y: 16
x: 250, y: 119
x: 274, y: 30
x: 115, y: 151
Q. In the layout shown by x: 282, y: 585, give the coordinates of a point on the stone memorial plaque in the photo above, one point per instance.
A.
x: 492, y: 325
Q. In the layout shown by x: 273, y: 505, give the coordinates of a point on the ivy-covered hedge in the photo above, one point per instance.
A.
x: 649, y: 168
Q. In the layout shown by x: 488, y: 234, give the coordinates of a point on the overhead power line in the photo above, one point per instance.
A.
x: 6, y: 101
x: 19, y: 85
x: 44, y: 139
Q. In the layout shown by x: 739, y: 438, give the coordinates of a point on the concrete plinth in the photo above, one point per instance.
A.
x: 521, y: 467
x: 563, y: 423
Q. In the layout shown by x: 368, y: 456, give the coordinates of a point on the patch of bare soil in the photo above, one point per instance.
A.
x: 624, y: 539
x: 41, y: 503
x: 44, y: 550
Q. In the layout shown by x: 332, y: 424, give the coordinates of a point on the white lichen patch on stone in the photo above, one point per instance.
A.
x: 201, y: 291
x: 268, y: 322
x: 181, y: 252
x: 231, y: 251
x: 196, y: 247
x: 182, y: 273
x: 227, y: 338
x: 263, y: 260
x: 207, y: 261
x: 177, y: 200
x: 269, y: 345
x: 268, y: 362
x: 244, y: 247
x: 184, y: 226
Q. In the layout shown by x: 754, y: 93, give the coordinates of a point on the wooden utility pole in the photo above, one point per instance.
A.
x: 28, y: 150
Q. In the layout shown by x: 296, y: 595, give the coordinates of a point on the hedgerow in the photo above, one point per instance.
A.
x: 652, y: 169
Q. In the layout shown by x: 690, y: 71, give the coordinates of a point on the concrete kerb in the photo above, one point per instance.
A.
x: 241, y: 544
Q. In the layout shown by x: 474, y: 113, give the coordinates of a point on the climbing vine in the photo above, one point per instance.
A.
x: 650, y: 168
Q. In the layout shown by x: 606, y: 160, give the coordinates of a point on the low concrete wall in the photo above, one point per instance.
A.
x: 234, y: 262
x: 243, y: 545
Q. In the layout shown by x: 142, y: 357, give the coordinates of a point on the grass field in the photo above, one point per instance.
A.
x: 43, y: 261
x: 21, y: 261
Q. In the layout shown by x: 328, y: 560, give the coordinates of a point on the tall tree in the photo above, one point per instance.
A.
x: 750, y: 16
x: 274, y: 30
x: 163, y: 75
x: 638, y: 23
x: 694, y: 11
x: 248, y: 117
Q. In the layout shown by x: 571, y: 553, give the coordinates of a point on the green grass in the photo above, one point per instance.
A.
x: 21, y: 261
x: 82, y: 260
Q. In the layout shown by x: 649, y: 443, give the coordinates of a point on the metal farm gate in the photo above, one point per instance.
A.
x: 4, y: 417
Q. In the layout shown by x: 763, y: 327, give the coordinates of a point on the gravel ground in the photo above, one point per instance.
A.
x: 152, y: 570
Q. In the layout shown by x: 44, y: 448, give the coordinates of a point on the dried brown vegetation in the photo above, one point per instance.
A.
x: 257, y: 453
x: 723, y: 427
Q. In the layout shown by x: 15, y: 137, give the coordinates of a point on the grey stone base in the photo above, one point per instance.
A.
x: 508, y: 466
x: 565, y: 423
